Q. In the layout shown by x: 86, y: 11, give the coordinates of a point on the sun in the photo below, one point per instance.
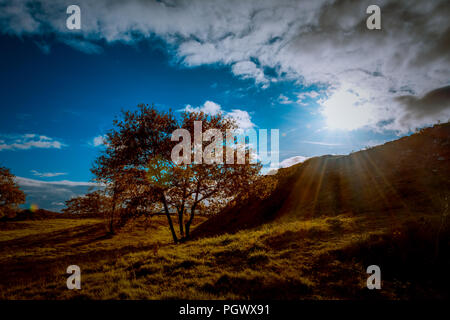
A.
x: 346, y: 110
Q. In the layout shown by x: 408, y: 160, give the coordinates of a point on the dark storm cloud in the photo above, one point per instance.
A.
x: 432, y: 104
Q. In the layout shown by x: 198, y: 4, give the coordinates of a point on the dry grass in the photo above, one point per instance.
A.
x: 20, y: 229
x: 321, y: 258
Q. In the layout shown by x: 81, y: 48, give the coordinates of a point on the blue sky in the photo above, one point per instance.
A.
x: 59, y: 90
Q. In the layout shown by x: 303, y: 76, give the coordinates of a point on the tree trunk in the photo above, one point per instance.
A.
x: 180, y: 221
x: 181, y: 213
x: 111, y: 218
x: 189, y: 222
x: 169, y: 219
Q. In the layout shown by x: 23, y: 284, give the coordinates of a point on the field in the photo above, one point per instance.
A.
x: 322, y: 258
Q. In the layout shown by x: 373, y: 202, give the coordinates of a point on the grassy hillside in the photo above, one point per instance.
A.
x: 409, y: 175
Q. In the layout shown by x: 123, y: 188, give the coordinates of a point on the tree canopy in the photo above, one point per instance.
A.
x: 10, y: 194
x: 139, y: 174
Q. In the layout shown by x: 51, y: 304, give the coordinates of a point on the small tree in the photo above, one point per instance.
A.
x: 10, y: 194
x: 91, y: 204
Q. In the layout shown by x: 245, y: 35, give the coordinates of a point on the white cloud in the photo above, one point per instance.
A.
x: 47, y: 174
x: 209, y: 107
x: 28, y: 141
x: 248, y: 69
x: 98, y: 141
x: 291, y: 161
x: 284, y: 100
x: 301, y: 97
x: 36, y: 183
x: 51, y: 195
x: 373, y: 143
x: 287, y: 163
x: 318, y: 41
x: 242, y: 117
x: 322, y: 143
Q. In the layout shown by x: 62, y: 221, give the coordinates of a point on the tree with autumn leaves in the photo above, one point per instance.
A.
x: 10, y: 194
x: 139, y: 174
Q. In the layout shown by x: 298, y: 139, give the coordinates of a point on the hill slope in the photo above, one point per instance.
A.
x: 409, y: 175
